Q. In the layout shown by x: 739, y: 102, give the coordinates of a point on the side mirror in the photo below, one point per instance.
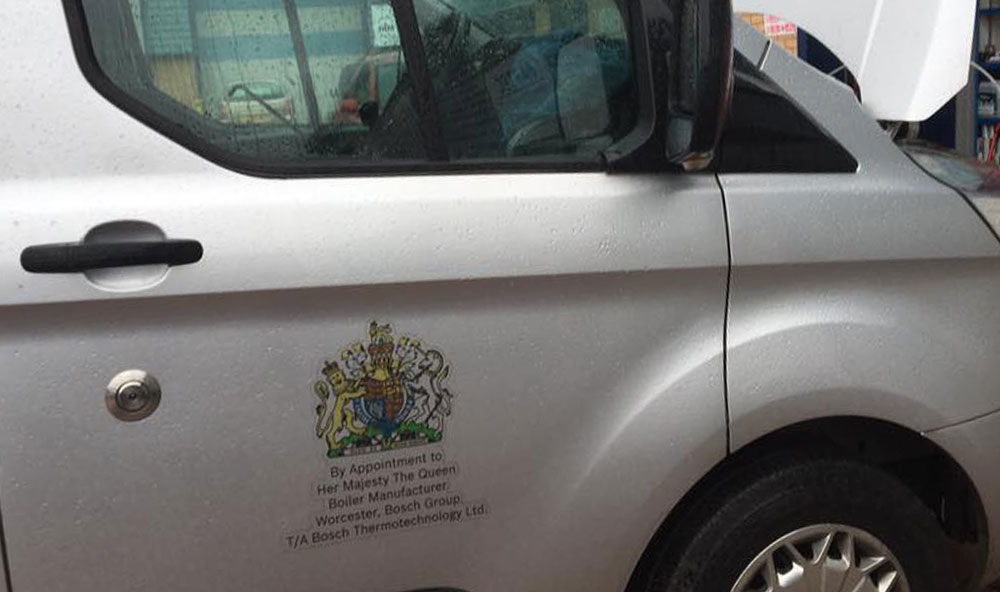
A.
x: 701, y: 72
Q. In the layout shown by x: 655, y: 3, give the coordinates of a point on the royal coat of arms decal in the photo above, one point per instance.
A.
x: 387, y: 395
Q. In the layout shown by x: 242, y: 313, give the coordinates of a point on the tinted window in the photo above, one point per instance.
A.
x: 516, y: 77
x: 267, y: 80
x: 258, y: 78
x: 326, y: 81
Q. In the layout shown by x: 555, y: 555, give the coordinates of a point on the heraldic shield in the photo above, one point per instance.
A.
x: 385, y: 395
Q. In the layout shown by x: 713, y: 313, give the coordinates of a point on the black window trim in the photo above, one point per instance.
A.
x: 645, y: 148
x: 817, y: 152
x: 613, y: 159
x: 412, y: 43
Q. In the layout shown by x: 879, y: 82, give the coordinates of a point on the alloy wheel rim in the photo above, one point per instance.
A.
x: 824, y: 558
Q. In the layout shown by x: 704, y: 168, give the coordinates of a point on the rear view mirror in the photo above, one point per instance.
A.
x: 701, y: 67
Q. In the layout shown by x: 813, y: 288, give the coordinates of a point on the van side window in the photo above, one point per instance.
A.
x: 265, y: 80
x: 523, y: 78
x: 324, y: 83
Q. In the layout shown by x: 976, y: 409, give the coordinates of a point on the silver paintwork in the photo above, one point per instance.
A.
x: 824, y: 557
x: 582, y: 315
x: 869, y: 294
x: 888, y: 284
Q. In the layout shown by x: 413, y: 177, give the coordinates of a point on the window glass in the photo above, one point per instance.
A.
x: 276, y: 80
x: 293, y: 81
x: 528, y: 77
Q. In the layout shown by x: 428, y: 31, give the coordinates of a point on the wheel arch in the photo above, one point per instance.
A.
x: 920, y: 464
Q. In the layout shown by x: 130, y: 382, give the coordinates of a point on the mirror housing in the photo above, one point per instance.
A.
x: 701, y: 72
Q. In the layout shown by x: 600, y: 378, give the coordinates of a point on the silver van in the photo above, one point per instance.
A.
x: 594, y: 295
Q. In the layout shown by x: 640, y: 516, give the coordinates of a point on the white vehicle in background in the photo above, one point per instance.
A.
x: 257, y: 102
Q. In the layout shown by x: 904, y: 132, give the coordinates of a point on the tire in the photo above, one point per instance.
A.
x: 784, y: 504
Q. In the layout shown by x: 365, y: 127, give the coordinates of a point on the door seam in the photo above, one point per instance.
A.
x: 725, y: 315
x: 3, y: 552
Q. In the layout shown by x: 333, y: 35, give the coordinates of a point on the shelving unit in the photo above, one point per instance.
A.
x: 982, y: 123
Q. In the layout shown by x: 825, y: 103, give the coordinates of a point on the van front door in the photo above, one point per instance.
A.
x: 370, y: 382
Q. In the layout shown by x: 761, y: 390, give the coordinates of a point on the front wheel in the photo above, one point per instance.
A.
x: 805, y: 525
x: 824, y: 557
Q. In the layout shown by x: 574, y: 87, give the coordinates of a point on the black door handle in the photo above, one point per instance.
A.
x: 77, y: 257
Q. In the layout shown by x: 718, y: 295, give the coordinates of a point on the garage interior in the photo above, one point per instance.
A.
x: 968, y: 124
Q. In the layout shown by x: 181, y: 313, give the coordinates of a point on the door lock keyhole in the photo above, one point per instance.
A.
x: 132, y: 395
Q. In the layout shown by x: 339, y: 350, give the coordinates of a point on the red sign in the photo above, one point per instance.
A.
x: 774, y: 26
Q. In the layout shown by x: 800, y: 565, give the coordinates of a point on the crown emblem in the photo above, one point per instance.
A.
x: 385, y: 395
